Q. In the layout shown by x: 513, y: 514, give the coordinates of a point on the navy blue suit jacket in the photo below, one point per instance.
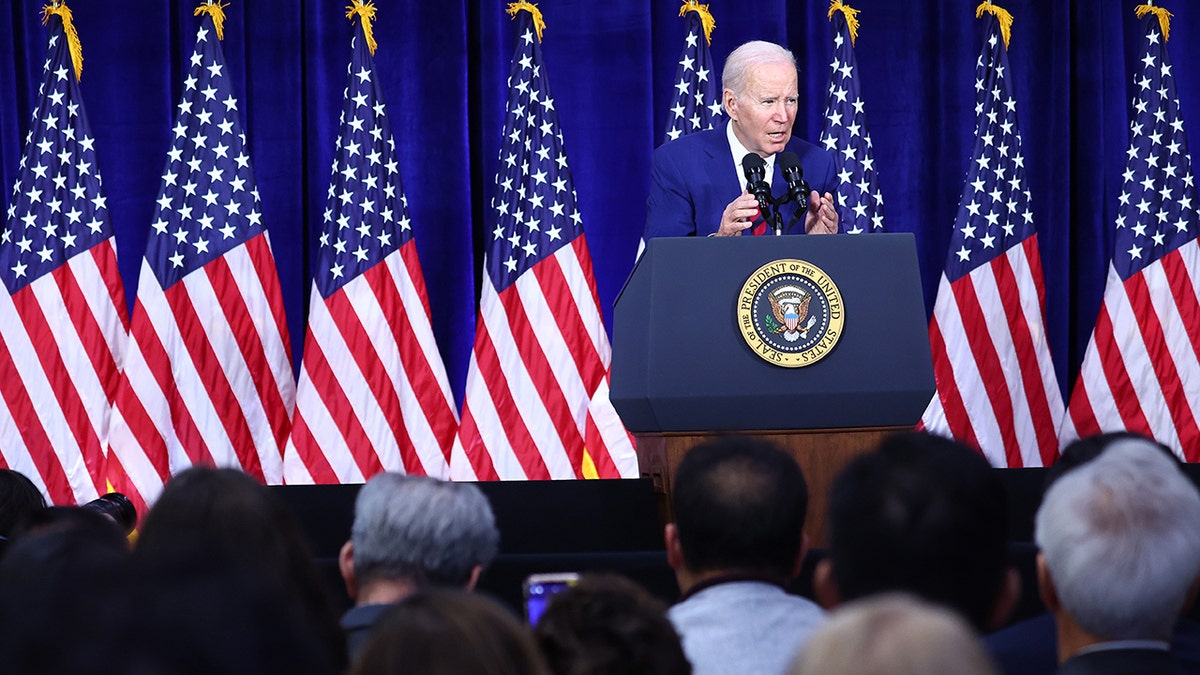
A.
x: 693, y: 179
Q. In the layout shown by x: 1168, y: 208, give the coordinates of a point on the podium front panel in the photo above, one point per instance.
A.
x: 680, y: 362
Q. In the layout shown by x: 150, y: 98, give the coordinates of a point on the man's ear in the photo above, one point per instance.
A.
x: 476, y: 572
x: 798, y: 566
x: 346, y: 567
x: 730, y: 102
x: 1192, y: 593
x: 1006, y: 599
x: 824, y: 586
x: 1046, y: 589
x: 674, y: 548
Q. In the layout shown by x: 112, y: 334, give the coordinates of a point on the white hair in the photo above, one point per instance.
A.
x: 893, y: 634
x: 754, y: 53
x: 1121, y: 538
x: 427, y: 531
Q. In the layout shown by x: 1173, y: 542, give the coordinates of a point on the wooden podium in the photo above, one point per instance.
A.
x: 821, y: 454
x: 683, y: 372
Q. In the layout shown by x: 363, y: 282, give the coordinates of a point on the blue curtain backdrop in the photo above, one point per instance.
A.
x: 610, y: 66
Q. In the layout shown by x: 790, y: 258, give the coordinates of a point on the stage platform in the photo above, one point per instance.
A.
x: 607, y: 525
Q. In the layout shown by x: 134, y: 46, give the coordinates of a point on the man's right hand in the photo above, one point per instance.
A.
x: 739, y: 215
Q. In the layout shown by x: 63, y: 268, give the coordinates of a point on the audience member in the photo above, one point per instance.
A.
x: 1030, y: 647
x: 63, y: 591
x: 1120, y: 557
x: 225, y: 516
x: 925, y: 515
x: 410, y: 533
x: 19, y: 498
x: 608, y: 625
x: 449, y: 632
x: 893, y: 634
x: 737, y: 539
x: 203, y: 614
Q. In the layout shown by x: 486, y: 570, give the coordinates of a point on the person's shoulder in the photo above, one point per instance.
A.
x: 693, y: 142
x: 809, y: 151
x: 1115, y: 661
x: 362, y: 617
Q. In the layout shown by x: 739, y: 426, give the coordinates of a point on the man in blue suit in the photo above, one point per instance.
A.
x: 698, y: 187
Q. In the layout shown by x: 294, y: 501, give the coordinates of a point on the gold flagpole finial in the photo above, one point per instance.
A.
x: 706, y: 18
x: 366, y: 13
x: 217, y: 11
x: 851, y: 15
x: 73, y: 45
x: 1164, y: 17
x: 1002, y: 16
x: 539, y: 24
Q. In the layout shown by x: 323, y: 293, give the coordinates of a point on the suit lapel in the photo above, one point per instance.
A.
x: 720, y: 166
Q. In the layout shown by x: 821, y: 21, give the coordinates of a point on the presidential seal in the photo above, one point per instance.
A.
x: 790, y: 313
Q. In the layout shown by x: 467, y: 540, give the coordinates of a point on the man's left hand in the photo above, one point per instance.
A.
x: 822, y: 217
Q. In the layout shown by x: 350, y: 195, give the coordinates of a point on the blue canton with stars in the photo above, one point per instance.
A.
x: 209, y: 202
x: 860, y: 203
x: 58, y: 209
x: 534, y: 209
x: 696, y: 104
x: 994, y: 212
x: 366, y: 216
x: 1157, y: 209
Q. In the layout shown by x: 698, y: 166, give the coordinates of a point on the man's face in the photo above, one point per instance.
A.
x: 763, y: 114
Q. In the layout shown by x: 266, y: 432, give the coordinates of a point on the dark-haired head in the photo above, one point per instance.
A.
x: 1083, y: 450
x: 66, y: 574
x: 922, y: 514
x: 739, y: 505
x: 450, y: 632
x: 224, y: 514
x: 609, y: 625
x: 19, y: 498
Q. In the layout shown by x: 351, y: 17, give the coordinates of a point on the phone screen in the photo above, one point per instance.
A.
x: 538, y: 589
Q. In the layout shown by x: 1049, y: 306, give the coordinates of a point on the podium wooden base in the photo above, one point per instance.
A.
x: 821, y: 454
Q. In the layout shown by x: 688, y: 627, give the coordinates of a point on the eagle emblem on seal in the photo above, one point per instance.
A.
x: 789, y: 304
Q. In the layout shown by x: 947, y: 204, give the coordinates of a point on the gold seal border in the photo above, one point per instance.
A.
x: 823, y: 282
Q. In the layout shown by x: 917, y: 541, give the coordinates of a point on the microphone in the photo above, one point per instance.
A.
x: 798, y: 189
x: 755, y: 170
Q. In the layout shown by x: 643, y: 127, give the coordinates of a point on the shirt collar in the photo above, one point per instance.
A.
x: 1124, y: 644
x: 739, y: 151
x: 730, y: 578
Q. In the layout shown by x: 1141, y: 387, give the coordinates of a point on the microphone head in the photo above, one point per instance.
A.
x: 789, y: 164
x: 754, y: 167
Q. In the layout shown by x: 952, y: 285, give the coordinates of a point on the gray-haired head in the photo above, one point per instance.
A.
x: 897, y: 634
x: 423, y: 530
x: 1120, y: 536
x: 755, y: 53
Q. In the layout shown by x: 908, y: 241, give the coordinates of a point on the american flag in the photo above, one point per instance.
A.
x: 373, y: 393
x: 536, y: 403
x: 208, y: 377
x: 860, y: 203
x: 996, y: 386
x: 1141, y: 370
x: 62, y: 311
x: 696, y: 103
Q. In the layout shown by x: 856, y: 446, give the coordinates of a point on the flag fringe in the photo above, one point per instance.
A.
x: 366, y: 13
x: 851, y: 15
x: 217, y: 11
x: 61, y: 10
x: 1164, y: 18
x: 1002, y: 15
x: 706, y: 17
x: 539, y: 24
